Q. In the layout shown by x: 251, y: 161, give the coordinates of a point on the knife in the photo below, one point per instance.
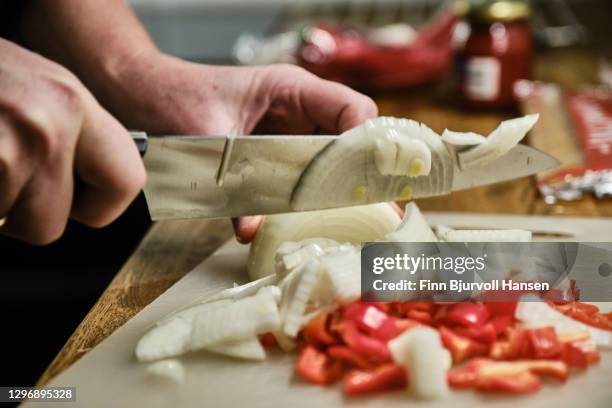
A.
x: 260, y: 174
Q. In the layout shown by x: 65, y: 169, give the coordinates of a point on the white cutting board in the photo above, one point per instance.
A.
x: 110, y: 376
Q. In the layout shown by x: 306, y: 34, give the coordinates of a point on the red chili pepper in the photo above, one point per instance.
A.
x: 544, y: 342
x: 580, y: 353
x: 346, y: 355
x: 501, y: 322
x: 460, y: 347
x: 385, y: 377
x: 421, y: 316
x: 316, y: 367
x: 316, y: 331
x: 467, y: 314
x: 362, y: 343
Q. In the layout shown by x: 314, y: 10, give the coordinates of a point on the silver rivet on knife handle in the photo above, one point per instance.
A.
x: 227, y: 151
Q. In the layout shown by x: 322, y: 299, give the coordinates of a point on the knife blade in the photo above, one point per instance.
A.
x: 262, y: 171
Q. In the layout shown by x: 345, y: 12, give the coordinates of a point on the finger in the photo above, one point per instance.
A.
x: 334, y: 107
x: 245, y: 228
x: 16, y: 165
x: 41, y: 212
x: 397, y: 208
x: 108, y: 163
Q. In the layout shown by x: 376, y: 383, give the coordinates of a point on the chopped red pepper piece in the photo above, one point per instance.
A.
x: 316, y: 331
x: 514, y: 377
x: 362, y: 343
x: 467, y: 314
x: 372, y: 320
x: 522, y: 383
x: 585, y: 313
x: 346, y: 355
x: 544, y: 342
x: 486, y: 333
x: 581, y: 353
x: 385, y: 377
x: 316, y: 367
x: 460, y: 347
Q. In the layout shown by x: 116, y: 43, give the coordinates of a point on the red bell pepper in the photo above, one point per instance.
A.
x: 362, y: 343
x: 580, y: 353
x: 485, y: 333
x: 385, y: 377
x: 466, y: 314
x: 317, y: 333
x: 514, y: 377
x: 316, y: 367
x: 521, y: 383
x: 460, y: 347
x: 544, y: 342
x: 346, y: 355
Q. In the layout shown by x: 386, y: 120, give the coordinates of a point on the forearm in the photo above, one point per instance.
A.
x: 97, y: 40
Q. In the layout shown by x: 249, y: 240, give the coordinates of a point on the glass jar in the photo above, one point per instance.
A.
x: 498, y: 52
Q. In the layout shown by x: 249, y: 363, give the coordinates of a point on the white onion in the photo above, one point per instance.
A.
x: 360, y: 167
x: 413, y: 228
x: 353, y: 224
x: 298, y: 298
x: 420, y: 350
x: 250, y: 349
x: 499, y: 142
x: 171, y: 336
x: 462, y: 138
x: 241, y: 320
x: 168, y: 369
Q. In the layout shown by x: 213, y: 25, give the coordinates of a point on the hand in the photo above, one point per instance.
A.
x: 50, y: 128
x: 169, y: 96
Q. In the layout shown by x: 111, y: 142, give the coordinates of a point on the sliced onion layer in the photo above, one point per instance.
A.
x: 413, y: 228
x: 353, y: 225
x: 499, y: 142
x: 381, y: 159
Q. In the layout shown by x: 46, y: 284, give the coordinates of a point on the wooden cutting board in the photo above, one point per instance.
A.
x: 109, y: 375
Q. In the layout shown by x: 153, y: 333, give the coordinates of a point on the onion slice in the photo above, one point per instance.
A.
x: 377, y: 160
x: 413, y: 228
x: 352, y: 224
x: 462, y: 138
x: 499, y: 142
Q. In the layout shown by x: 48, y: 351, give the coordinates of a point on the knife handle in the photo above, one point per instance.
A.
x: 141, y: 140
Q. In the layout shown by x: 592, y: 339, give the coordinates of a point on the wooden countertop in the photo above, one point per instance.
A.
x: 172, y: 248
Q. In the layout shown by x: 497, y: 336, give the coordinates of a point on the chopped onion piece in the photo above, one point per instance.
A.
x: 241, y: 320
x: 420, y: 350
x: 171, y: 336
x: 344, y: 270
x: 536, y: 312
x: 248, y: 289
x: 499, y: 142
x: 352, y: 224
x: 250, y: 349
x: 462, y: 138
x: 413, y: 228
x: 170, y: 369
x: 296, y: 306
x: 510, y: 235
